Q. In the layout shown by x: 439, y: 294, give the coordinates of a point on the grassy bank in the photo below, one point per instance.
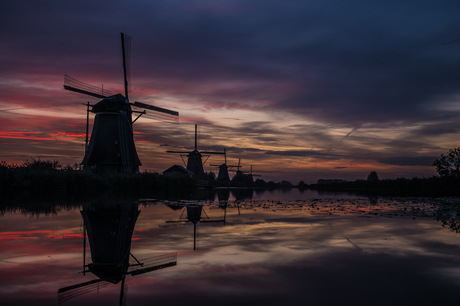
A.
x: 49, y: 177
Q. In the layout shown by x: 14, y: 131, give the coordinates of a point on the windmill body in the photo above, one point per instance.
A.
x: 111, y: 147
x: 223, y: 176
x: 195, y: 163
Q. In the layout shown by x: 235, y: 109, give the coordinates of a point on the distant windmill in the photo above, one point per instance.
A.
x: 252, y: 173
x: 111, y: 148
x: 194, y: 158
x: 243, y: 178
x: 223, y: 179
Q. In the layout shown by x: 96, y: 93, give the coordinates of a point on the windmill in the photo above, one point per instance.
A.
x: 242, y: 178
x: 111, y: 147
x: 194, y: 158
x: 252, y: 174
x: 110, y: 229
x: 223, y: 179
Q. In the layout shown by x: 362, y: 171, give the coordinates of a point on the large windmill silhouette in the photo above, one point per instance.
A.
x: 111, y: 147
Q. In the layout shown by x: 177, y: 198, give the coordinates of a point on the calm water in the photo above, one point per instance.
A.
x: 272, y: 248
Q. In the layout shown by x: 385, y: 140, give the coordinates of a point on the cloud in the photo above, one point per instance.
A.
x: 409, y: 160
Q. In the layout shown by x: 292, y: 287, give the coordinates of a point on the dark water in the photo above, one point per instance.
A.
x: 272, y: 248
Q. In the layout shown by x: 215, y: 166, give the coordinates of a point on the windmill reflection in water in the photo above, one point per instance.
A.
x: 194, y: 213
x: 110, y: 228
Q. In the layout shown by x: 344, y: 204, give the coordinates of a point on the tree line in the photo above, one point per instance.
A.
x: 446, y: 183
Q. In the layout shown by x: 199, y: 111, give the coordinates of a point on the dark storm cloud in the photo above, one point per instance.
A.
x: 441, y: 128
x: 352, y: 62
x: 357, y: 62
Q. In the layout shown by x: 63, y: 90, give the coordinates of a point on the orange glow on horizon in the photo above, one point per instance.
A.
x: 10, y: 134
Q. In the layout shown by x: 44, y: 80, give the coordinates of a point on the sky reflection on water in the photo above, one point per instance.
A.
x: 315, y: 250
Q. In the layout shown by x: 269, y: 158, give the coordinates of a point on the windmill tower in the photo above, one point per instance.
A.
x: 222, y: 178
x: 194, y: 158
x: 111, y: 147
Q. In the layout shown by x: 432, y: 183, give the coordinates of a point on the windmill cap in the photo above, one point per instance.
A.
x: 113, y: 103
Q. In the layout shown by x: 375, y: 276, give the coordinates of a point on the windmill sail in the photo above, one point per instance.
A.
x: 155, y: 108
x: 73, y: 84
x: 125, y: 49
x: 67, y: 293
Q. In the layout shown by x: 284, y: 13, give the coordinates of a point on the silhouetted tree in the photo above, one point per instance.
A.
x: 302, y: 185
x: 373, y: 176
x: 448, y: 165
x: 285, y: 184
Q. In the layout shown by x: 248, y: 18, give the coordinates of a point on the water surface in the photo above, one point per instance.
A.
x: 272, y: 248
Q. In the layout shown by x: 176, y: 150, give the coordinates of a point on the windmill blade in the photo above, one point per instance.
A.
x: 126, y: 48
x: 73, y: 84
x: 155, y: 108
x: 149, y: 269
x: 70, y: 292
x: 155, y: 263
x: 154, y: 115
x: 212, y: 221
x: 177, y: 221
x: 65, y: 289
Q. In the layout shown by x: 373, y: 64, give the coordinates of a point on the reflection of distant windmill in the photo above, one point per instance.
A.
x: 111, y: 148
x: 194, y: 215
x: 110, y: 230
x: 223, y: 196
x: 194, y: 158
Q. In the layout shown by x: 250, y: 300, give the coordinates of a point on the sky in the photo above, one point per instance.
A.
x: 300, y: 90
